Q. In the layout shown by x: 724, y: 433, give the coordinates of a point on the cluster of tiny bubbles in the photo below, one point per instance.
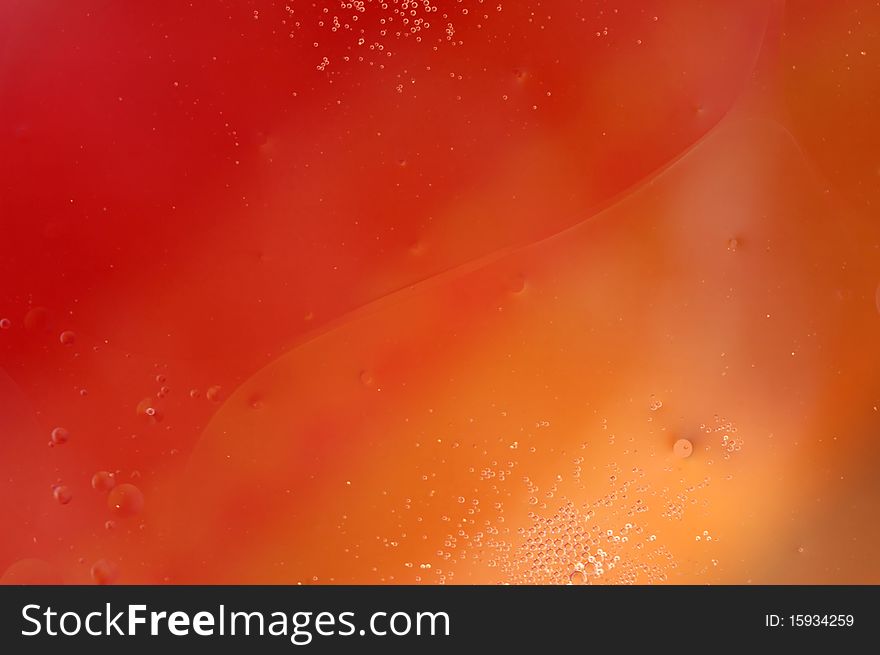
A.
x: 369, y: 28
x: 577, y: 470
x: 606, y: 541
x: 730, y: 441
x: 674, y: 504
x: 477, y: 527
x: 587, y: 544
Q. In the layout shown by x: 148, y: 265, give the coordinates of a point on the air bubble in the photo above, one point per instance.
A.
x: 62, y: 494
x: 103, y: 481
x: 5, y: 324
x: 683, y: 448
x: 517, y: 283
x: 577, y: 577
x: 103, y: 572
x: 148, y: 410
x: 37, y: 318
x: 67, y: 338
x: 60, y: 436
x: 125, y: 501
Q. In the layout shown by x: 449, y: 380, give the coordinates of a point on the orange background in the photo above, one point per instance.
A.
x: 348, y: 299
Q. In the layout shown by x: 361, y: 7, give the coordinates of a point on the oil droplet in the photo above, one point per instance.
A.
x: 30, y: 572
x: 62, y: 494
x: 147, y: 409
x: 683, y: 448
x: 67, y: 338
x: 103, y: 572
x: 366, y: 378
x: 516, y: 283
x: 60, y: 436
x: 103, y: 481
x: 194, y: 393
x: 5, y: 323
x: 37, y: 318
x: 125, y: 501
x: 214, y: 394
x: 577, y: 577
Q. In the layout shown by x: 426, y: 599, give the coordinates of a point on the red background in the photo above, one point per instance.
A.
x: 455, y: 292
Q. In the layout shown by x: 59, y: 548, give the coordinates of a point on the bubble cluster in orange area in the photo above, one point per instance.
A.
x: 447, y: 291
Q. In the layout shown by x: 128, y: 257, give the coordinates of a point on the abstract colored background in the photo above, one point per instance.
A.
x: 439, y: 291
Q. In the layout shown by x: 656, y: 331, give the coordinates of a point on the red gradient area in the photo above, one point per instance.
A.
x: 445, y: 292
